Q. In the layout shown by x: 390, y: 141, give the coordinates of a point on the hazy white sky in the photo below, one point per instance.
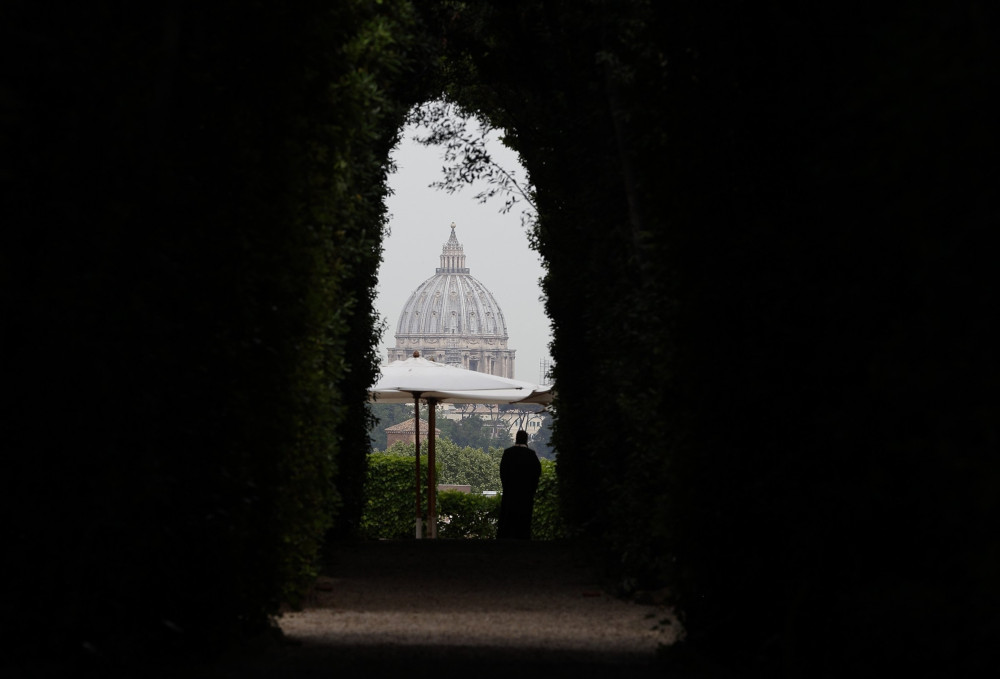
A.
x: 496, y: 250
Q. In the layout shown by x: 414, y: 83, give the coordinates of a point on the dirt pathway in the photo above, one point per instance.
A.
x: 484, y: 609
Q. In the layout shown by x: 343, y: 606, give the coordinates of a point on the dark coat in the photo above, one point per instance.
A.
x: 519, y: 474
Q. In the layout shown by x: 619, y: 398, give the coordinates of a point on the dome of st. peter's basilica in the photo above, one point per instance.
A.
x: 454, y: 319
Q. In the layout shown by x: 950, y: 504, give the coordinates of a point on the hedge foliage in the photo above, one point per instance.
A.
x: 765, y: 229
x: 467, y: 516
x: 192, y: 210
x: 390, y: 496
x: 547, y: 521
x: 390, y: 505
x: 764, y: 232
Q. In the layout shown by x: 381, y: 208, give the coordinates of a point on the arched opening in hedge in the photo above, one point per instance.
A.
x: 764, y: 236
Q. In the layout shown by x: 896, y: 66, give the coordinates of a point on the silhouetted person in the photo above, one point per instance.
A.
x: 519, y: 474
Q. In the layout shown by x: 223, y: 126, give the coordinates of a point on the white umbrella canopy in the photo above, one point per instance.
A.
x: 534, y: 394
x: 400, y: 381
x: 416, y: 379
x: 540, y: 395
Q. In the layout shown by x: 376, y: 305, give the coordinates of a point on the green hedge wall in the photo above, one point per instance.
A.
x: 390, y: 504
x: 192, y: 209
x: 765, y: 230
x: 467, y: 516
x: 547, y: 522
x: 390, y: 496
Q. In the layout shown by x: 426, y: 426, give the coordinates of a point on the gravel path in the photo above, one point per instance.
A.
x: 482, y: 608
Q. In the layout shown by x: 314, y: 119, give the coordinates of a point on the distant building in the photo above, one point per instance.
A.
x: 529, y: 417
x: 454, y: 319
x: 405, y: 431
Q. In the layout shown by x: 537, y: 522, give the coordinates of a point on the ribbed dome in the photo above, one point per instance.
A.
x: 453, y: 319
x: 452, y: 302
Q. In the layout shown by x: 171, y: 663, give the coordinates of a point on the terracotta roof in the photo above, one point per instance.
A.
x: 406, y: 427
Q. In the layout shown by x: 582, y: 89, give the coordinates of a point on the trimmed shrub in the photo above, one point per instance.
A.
x: 389, y: 511
x: 546, y: 521
x: 389, y: 502
x: 467, y: 515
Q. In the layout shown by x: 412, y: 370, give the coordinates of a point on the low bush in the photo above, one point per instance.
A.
x: 390, y: 511
x: 389, y: 503
x: 467, y: 515
x: 546, y: 520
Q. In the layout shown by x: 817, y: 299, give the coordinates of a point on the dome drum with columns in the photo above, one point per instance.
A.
x: 452, y: 318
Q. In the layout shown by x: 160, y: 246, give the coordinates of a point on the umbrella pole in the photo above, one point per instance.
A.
x: 416, y: 440
x: 431, y: 470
